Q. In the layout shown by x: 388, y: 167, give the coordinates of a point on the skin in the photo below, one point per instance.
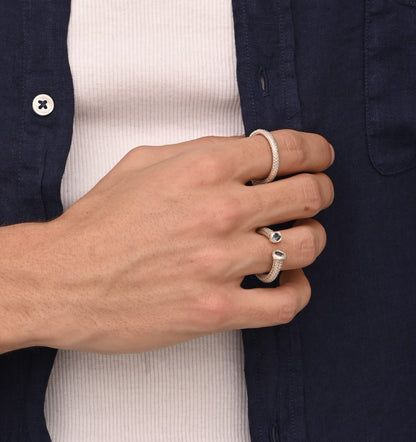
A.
x: 155, y: 253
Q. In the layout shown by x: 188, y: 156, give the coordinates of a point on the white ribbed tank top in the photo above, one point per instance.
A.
x: 148, y: 72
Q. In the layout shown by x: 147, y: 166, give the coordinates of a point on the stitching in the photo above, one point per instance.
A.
x: 283, y: 70
x: 45, y: 145
x: 372, y: 153
x: 247, y: 47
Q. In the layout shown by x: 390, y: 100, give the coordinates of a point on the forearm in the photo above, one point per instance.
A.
x: 24, y: 262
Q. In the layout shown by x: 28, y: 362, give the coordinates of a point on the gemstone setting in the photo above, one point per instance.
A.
x: 275, y: 237
x: 278, y: 254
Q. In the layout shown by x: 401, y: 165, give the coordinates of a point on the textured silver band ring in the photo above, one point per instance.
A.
x: 275, y: 156
x: 278, y: 256
x: 273, y: 236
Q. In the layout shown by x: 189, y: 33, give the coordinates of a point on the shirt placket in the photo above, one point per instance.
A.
x: 266, y: 74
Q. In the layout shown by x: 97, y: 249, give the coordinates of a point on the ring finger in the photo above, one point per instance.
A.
x: 302, y: 244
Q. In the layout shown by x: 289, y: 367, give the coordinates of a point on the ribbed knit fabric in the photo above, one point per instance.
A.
x: 148, y: 72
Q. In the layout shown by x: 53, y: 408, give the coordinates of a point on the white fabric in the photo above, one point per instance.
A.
x: 148, y: 72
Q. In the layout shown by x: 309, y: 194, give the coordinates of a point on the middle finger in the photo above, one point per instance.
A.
x: 298, y: 197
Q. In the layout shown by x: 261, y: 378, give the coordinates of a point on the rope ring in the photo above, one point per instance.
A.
x: 278, y: 259
x: 273, y: 236
x: 275, y: 156
x: 278, y: 256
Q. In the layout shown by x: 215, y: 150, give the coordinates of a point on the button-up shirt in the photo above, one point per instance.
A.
x: 345, y: 369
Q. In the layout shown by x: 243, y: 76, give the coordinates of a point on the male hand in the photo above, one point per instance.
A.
x: 155, y: 253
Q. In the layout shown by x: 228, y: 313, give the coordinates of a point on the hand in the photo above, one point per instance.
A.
x: 156, y: 252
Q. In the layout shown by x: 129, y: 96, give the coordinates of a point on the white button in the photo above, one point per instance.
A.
x: 43, y: 104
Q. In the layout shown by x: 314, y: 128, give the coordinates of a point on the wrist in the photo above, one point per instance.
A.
x: 25, y: 265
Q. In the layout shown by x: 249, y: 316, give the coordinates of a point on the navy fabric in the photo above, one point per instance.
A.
x: 265, y: 46
x: 358, y: 333
x: 345, y: 369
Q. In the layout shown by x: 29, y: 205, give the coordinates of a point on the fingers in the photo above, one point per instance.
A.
x: 250, y: 157
x: 302, y: 244
x: 272, y: 306
x: 297, y: 197
x: 298, y: 152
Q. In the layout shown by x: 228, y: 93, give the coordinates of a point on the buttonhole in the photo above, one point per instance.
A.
x: 264, y: 81
x: 273, y: 434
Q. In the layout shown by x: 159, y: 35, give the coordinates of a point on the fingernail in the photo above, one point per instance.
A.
x: 332, y: 153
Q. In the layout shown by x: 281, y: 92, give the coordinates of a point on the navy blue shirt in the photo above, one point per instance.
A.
x: 345, y: 369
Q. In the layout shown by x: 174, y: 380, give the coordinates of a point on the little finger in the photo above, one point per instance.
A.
x: 265, y: 307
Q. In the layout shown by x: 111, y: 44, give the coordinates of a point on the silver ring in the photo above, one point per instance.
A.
x: 275, y: 156
x: 273, y: 236
x: 278, y: 258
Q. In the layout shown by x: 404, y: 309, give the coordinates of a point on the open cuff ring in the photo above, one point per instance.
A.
x: 273, y: 236
x: 278, y: 255
x: 278, y: 258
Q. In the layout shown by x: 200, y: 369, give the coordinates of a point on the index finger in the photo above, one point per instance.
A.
x: 298, y: 152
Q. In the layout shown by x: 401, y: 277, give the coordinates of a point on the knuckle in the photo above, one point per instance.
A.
x: 135, y: 158
x: 138, y: 149
x: 329, y: 151
x: 212, y: 262
x: 309, y: 247
x: 322, y: 237
x: 305, y: 292
x: 327, y: 189
x: 287, y: 311
x: 296, y: 148
x: 294, y: 300
x: 331, y: 190
x: 207, y: 165
x: 322, y: 140
x: 208, y: 140
x: 313, y: 198
x: 225, y: 214
x: 136, y: 152
x: 210, y: 168
x: 216, y: 310
x: 141, y: 156
x: 325, y: 149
